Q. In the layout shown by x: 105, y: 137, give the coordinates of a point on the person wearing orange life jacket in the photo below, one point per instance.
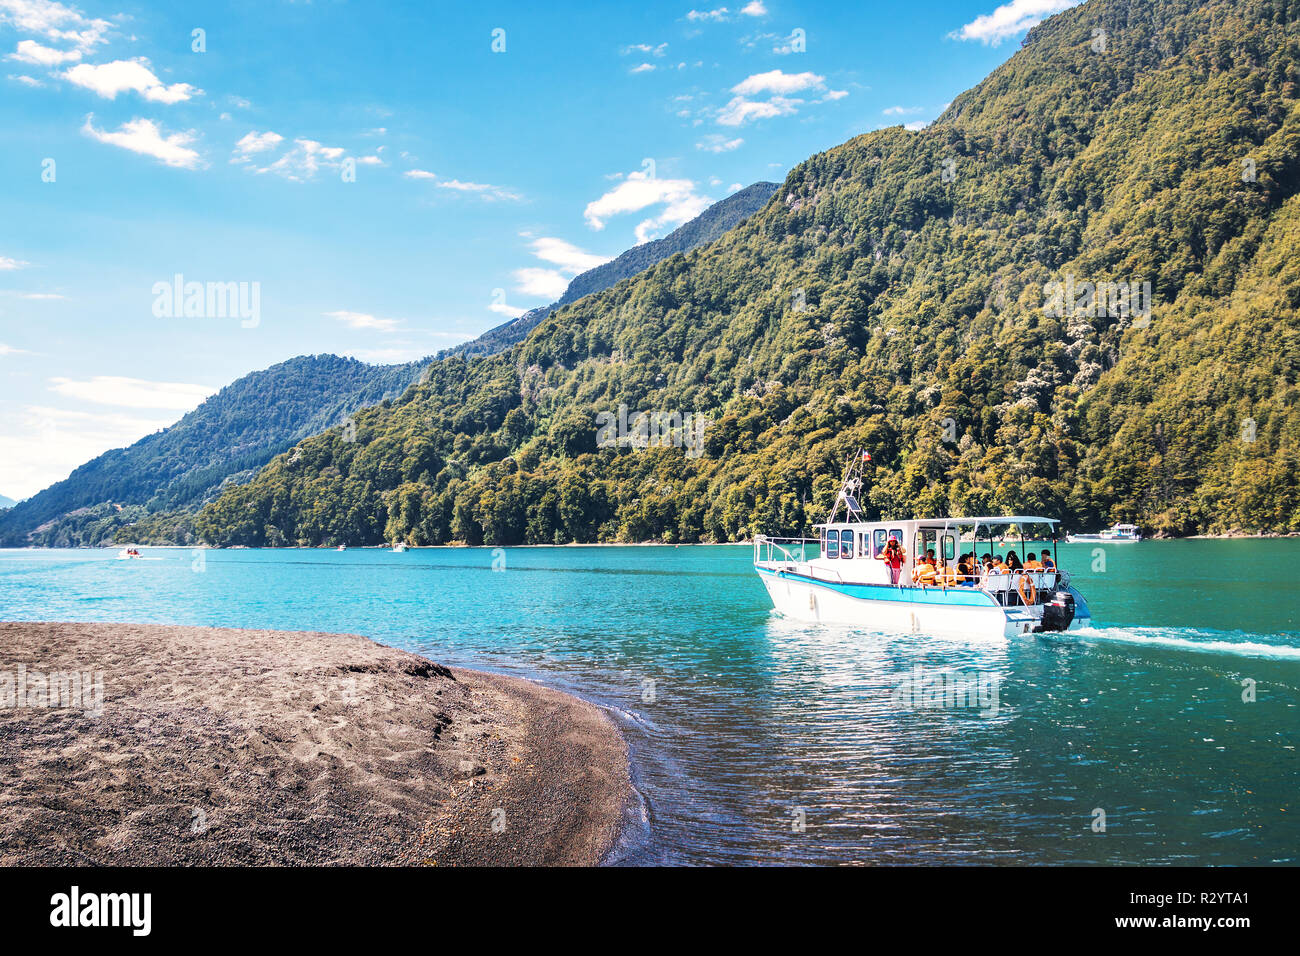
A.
x: 925, y: 574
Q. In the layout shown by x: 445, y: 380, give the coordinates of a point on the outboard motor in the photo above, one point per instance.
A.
x: 1058, y: 612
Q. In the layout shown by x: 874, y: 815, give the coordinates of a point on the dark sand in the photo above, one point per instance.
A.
x: 266, y: 747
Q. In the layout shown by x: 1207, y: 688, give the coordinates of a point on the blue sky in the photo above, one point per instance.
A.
x: 391, y: 178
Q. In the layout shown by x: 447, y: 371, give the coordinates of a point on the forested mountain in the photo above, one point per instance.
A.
x: 6, y: 502
x: 224, y: 440
x: 722, y: 216
x: 905, y: 293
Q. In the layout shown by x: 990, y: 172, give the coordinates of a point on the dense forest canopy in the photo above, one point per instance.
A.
x: 1074, y: 294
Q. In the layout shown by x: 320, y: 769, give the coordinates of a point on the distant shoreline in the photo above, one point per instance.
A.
x: 210, y: 746
x: 573, y: 544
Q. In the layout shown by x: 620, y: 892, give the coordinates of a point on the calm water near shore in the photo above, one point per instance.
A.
x: 760, y: 740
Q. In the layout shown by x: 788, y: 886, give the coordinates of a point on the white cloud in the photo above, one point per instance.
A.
x: 486, y: 190
x: 640, y: 191
x: 1009, y: 19
x: 10, y: 350
x: 7, y: 264
x: 252, y: 143
x: 754, y: 8
x: 146, y: 137
x: 718, y: 14
x: 713, y: 143
x: 42, y: 445
x: 120, y: 76
x: 419, y: 174
x: 776, y: 81
x: 642, y: 68
x: 54, y: 21
x: 543, y: 283
x: 566, y: 255
x: 25, y: 80
x: 35, y: 296
x: 900, y: 110
x: 734, y: 188
x: 916, y: 125
x: 509, y: 311
x: 304, y: 160
x: 29, y: 51
x: 744, y: 108
x: 369, y: 161
x: 361, y: 320
x: 740, y: 110
x: 133, y: 392
x: 645, y: 48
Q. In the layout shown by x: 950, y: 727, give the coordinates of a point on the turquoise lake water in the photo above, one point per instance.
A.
x: 758, y: 740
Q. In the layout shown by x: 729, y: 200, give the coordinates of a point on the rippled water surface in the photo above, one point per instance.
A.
x: 756, y: 739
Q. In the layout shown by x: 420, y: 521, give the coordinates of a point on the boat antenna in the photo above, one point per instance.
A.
x: 851, y: 486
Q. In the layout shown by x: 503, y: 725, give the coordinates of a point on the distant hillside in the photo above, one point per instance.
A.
x: 719, y: 218
x: 6, y: 502
x: 223, y: 441
x: 1076, y: 294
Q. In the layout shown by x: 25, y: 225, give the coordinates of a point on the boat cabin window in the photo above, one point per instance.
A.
x: 949, y: 547
x: 846, y: 544
x: 830, y: 543
x: 878, y: 543
x: 864, y: 545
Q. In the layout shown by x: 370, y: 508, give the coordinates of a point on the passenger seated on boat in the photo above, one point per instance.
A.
x: 1013, y: 561
x: 1048, y: 563
x: 1032, y: 563
x: 893, y: 556
x: 924, y: 573
x: 998, y: 563
x: 951, y: 575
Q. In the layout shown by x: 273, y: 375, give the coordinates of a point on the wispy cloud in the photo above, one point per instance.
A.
x: 642, y: 68
x: 146, y: 137
x: 777, y: 85
x: 133, y: 392
x: 485, y: 190
x: 122, y: 76
x: 7, y: 264
x: 565, y: 261
x: 1010, y: 19
x: 55, y: 22
x: 253, y: 142
x: 363, y: 320
x: 638, y: 191
x: 658, y: 50
x: 29, y: 51
x: 419, y: 174
x: 714, y: 143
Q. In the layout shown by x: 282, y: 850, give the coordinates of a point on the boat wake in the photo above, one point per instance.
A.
x: 1238, y: 643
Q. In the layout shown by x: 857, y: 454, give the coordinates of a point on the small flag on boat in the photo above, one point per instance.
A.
x: 866, y: 456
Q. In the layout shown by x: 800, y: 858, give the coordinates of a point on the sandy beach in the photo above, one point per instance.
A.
x: 206, y: 746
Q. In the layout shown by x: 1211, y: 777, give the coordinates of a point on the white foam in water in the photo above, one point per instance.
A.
x: 1210, y: 642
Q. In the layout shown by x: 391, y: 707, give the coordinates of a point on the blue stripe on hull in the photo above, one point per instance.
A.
x: 907, y: 594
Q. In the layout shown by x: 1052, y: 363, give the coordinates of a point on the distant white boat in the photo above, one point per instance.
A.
x: 399, y: 547
x: 1115, y: 534
x: 342, y: 547
x: 129, y: 554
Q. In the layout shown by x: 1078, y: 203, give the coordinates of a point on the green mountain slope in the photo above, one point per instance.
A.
x: 899, y: 295
x: 722, y: 216
x: 226, y: 439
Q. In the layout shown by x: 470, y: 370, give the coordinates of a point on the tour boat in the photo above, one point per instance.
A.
x: 128, y: 554
x: 342, y: 547
x: 840, y: 577
x: 1115, y: 534
x: 399, y: 547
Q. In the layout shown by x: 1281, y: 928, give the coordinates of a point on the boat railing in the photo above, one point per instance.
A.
x: 1032, y: 585
x: 793, y: 550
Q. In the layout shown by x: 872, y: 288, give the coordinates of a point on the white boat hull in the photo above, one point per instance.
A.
x: 798, y: 597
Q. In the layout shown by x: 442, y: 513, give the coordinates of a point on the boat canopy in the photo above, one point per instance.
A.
x: 984, y: 521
